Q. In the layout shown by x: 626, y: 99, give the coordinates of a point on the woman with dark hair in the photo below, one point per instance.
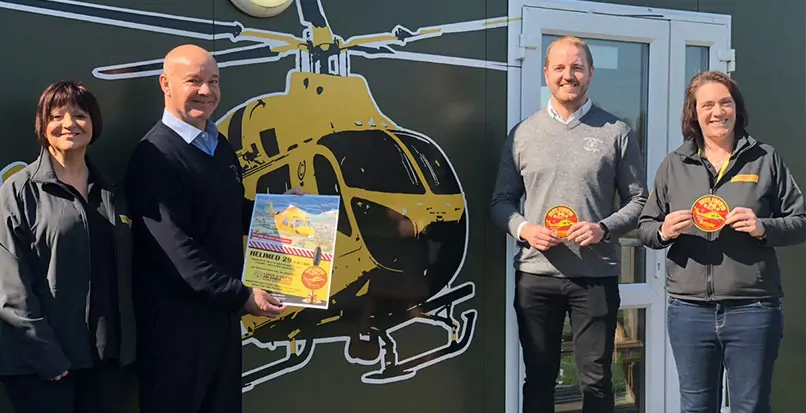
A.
x: 722, y: 202
x: 66, y: 320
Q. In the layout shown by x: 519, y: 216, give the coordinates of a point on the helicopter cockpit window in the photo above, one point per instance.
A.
x: 432, y: 162
x: 275, y: 182
x: 328, y: 184
x: 373, y: 161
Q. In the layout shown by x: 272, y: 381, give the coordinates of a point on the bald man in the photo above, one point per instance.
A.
x: 190, y: 214
x: 572, y: 160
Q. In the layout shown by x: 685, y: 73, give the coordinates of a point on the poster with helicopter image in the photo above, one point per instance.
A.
x: 289, y: 250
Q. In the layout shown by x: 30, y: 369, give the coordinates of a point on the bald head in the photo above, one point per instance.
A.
x: 190, y: 83
x: 184, y: 55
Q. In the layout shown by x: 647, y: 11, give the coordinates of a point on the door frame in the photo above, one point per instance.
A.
x: 679, y: 22
x: 646, y: 295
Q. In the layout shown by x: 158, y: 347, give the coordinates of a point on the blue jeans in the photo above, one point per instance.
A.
x: 743, y: 337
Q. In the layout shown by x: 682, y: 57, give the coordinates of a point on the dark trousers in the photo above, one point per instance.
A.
x: 188, y: 366
x: 592, y: 304
x: 743, y: 337
x: 95, y: 390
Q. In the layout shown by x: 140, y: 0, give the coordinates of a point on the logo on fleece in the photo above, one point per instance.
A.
x: 126, y: 220
x: 559, y: 219
x: 593, y: 144
x: 709, y: 213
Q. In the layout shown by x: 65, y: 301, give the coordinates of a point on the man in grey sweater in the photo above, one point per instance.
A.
x: 570, y: 160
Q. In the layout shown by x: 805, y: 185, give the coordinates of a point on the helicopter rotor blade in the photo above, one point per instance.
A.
x: 277, y: 39
x: 203, y: 29
x: 225, y: 58
x: 310, y: 11
x: 312, y: 15
x: 116, y: 16
x: 389, y: 53
x: 401, y: 36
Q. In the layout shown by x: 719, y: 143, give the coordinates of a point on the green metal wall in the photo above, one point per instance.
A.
x: 462, y: 109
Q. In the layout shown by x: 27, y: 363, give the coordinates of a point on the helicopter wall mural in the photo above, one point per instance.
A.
x: 402, y: 240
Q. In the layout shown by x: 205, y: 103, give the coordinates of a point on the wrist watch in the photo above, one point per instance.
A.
x: 606, y: 235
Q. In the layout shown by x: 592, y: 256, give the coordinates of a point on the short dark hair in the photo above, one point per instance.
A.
x: 575, y: 41
x: 67, y: 93
x: 690, y: 123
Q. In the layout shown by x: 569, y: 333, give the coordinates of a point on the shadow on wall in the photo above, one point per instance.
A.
x: 5, y: 406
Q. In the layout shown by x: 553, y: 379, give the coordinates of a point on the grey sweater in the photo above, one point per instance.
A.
x: 584, y: 165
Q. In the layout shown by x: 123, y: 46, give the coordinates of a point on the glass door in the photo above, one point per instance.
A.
x: 698, y: 47
x: 695, y: 47
x: 631, y: 81
x: 644, y: 58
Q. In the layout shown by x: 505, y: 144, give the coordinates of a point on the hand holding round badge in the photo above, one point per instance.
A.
x: 710, y: 213
x: 560, y: 219
x: 745, y: 220
x: 675, y: 224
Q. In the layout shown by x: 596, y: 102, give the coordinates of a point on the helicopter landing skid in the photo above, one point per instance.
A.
x: 460, y: 336
x: 294, y: 360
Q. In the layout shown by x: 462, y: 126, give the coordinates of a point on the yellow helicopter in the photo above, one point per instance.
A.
x: 403, y: 221
x: 393, y: 183
x: 292, y: 220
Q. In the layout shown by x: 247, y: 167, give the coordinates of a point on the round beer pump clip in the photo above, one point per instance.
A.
x: 559, y: 219
x: 709, y: 213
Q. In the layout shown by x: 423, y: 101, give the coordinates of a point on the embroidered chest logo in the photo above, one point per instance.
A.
x: 592, y: 144
x: 125, y: 219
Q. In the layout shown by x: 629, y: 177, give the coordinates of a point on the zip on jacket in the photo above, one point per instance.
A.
x: 45, y: 266
x: 727, y: 264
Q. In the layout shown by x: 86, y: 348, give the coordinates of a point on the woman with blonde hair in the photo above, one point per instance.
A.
x: 721, y: 203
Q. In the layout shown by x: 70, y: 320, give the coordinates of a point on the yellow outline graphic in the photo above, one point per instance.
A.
x: 272, y: 134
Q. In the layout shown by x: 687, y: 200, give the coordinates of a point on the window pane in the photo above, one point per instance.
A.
x: 620, y: 86
x: 696, y: 61
x: 628, y: 367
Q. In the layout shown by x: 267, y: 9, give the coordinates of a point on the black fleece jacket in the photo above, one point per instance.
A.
x: 723, y: 265
x: 190, y: 216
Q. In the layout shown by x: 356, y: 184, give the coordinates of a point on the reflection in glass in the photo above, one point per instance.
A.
x: 629, y: 373
x: 696, y: 61
x: 620, y: 86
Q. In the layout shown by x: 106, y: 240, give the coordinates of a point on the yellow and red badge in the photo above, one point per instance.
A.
x: 559, y: 219
x: 709, y: 213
